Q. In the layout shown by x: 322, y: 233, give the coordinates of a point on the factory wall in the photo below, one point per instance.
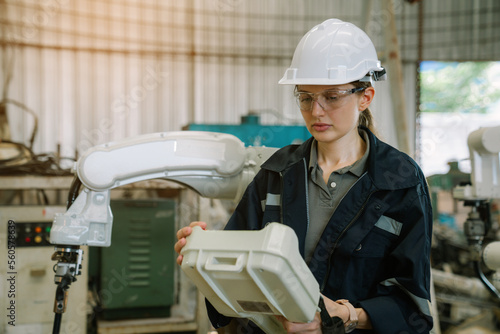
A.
x: 95, y: 71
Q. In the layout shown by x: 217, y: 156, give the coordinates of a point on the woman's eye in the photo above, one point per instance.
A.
x: 305, y: 98
x: 331, y: 96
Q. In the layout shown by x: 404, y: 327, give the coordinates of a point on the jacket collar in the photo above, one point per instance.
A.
x: 288, y: 156
x: 388, y: 168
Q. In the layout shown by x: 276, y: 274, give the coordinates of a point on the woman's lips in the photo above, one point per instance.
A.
x: 320, y: 126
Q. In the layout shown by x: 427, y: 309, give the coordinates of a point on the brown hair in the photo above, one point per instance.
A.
x: 365, y: 117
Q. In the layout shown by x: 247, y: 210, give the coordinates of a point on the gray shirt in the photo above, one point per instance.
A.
x: 324, y: 198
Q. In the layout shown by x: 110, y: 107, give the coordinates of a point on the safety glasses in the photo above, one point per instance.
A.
x: 328, y: 99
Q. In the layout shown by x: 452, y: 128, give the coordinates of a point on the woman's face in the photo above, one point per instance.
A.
x: 330, y: 121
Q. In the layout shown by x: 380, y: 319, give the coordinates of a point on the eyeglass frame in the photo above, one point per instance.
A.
x: 343, y: 93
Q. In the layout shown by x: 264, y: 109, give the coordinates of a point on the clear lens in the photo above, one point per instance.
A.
x: 304, y: 100
x: 328, y: 99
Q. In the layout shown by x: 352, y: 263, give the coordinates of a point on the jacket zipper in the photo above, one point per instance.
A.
x: 307, y: 195
x: 281, y: 198
x: 343, y: 231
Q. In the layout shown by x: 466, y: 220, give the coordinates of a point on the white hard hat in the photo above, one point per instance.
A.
x: 334, y: 53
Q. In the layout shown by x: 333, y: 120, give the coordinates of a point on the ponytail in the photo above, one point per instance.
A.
x: 365, y: 117
x: 366, y: 120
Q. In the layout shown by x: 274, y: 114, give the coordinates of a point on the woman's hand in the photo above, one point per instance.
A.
x: 181, y: 238
x: 342, y: 311
x: 313, y: 327
x: 336, y: 309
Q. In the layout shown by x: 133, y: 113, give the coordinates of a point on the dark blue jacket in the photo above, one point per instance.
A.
x: 375, y: 249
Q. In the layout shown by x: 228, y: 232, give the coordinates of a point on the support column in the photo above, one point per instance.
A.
x: 395, y: 75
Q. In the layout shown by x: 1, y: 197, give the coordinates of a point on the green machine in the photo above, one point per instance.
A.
x: 446, y: 182
x: 135, y: 277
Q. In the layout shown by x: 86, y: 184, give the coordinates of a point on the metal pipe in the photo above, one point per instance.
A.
x: 468, y: 286
x: 366, y: 13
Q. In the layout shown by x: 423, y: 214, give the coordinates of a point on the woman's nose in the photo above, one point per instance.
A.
x: 317, y: 108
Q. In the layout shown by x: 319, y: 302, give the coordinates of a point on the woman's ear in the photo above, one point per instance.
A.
x: 366, y: 98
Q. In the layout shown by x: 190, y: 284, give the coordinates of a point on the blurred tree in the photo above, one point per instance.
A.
x: 458, y: 87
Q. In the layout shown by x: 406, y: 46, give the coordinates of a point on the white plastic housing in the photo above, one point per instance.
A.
x: 87, y: 222
x: 253, y: 274
x: 484, y: 148
x: 491, y: 255
x: 216, y: 165
x: 160, y: 155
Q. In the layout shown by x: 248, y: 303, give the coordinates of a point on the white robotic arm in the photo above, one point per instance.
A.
x: 215, y: 165
x: 484, y: 148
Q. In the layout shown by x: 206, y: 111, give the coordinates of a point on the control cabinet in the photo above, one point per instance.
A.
x: 135, y: 276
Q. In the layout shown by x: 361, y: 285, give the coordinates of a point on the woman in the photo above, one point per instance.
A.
x: 359, y: 207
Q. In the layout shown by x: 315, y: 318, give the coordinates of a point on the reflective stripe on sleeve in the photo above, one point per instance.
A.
x: 423, y: 304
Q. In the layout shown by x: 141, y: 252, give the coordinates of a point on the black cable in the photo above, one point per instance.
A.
x: 44, y: 196
x: 23, y: 153
x: 73, y: 191
x: 57, y: 323
x: 60, y: 296
x: 28, y: 163
x: 491, y: 288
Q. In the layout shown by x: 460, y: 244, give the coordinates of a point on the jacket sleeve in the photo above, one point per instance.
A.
x: 249, y: 212
x: 402, y: 303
